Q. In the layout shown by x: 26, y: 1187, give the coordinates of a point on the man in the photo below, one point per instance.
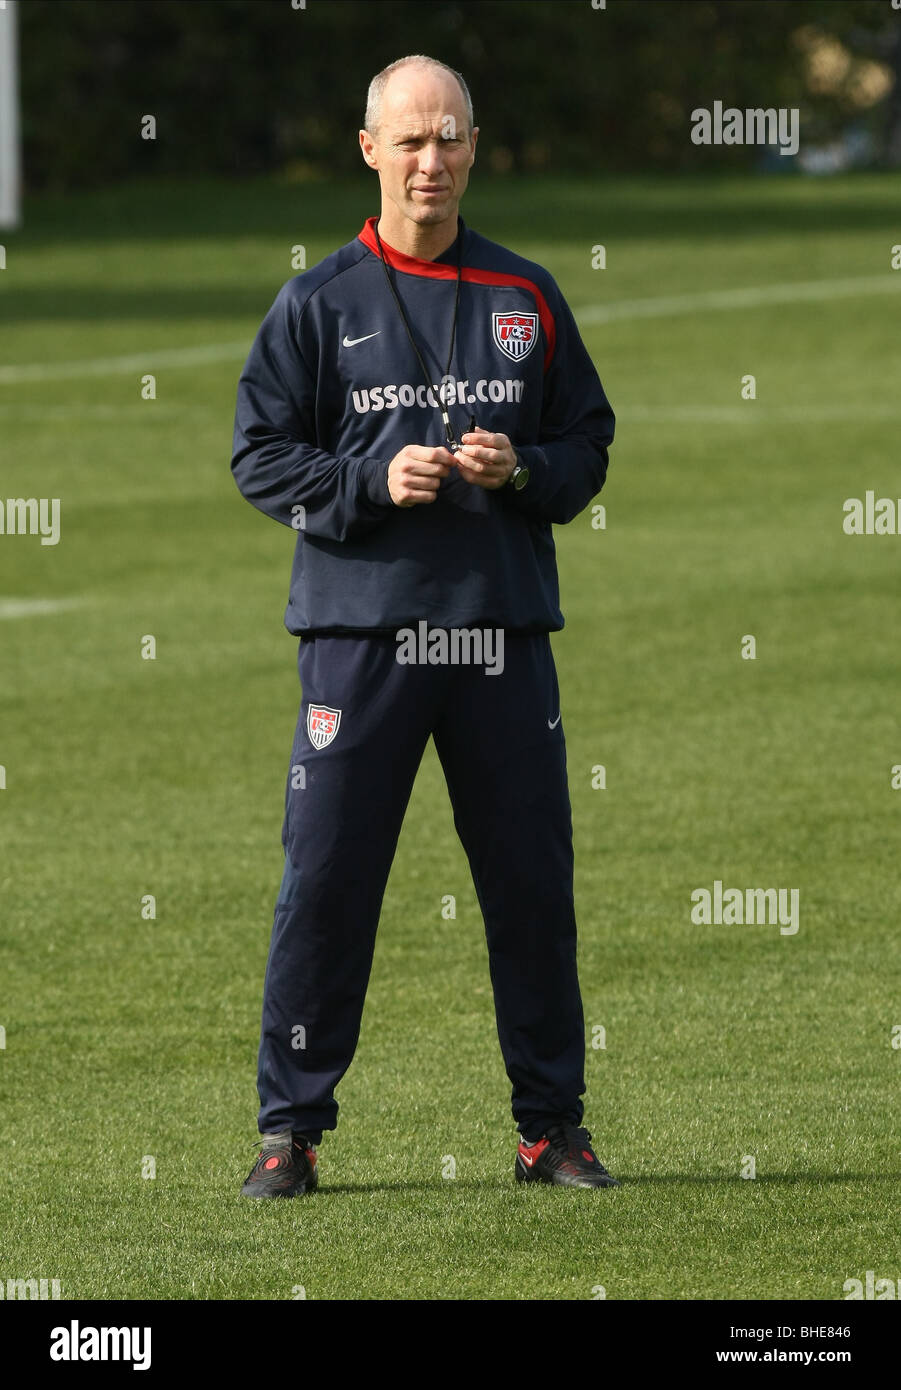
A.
x: 415, y: 541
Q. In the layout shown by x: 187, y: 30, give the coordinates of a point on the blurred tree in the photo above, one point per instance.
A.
x: 247, y: 86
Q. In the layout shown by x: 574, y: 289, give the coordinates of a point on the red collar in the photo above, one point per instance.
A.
x: 412, y: 265
x: 442, y: 270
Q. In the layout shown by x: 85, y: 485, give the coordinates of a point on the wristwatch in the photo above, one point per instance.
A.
x: 520, y: 475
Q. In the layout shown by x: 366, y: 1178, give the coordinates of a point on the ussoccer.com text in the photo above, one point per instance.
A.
x: 390, y: 397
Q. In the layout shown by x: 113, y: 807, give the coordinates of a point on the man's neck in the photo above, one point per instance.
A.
x: 424, y: 242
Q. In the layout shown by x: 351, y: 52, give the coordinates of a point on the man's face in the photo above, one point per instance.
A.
x: 422, y: 149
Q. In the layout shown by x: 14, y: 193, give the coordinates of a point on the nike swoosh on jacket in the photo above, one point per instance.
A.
x: 317, y: 426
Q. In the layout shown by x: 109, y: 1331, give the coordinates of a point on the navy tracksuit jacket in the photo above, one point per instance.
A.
x: 331, y: 391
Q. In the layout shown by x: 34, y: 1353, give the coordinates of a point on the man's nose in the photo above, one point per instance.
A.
x: 432, y: 159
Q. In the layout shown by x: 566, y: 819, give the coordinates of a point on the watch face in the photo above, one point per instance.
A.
x: 522, y: 477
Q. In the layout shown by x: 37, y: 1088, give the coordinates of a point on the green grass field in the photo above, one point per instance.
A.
x: 127, y: 1038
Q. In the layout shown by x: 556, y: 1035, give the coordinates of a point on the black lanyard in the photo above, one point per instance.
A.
x: 449, y: 434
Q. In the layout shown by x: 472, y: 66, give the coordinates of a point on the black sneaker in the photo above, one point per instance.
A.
x: 563, y: 1156
x: 286, y: 1167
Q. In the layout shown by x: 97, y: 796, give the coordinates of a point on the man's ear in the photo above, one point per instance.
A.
x: 474, y: 138
x: 367, y: 145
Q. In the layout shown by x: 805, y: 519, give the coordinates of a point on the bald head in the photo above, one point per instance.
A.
x: 396, y: 72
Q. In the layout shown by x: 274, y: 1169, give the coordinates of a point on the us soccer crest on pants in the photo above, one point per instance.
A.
x: 322, y: 724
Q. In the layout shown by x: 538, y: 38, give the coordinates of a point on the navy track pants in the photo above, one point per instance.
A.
x: 500, y: 742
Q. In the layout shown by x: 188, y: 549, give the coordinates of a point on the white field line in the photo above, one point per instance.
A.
x: 133, y: 410
x: 752, y: 413
x: 750, y: 298
x: 35, y: 607
x: 794, y: 293
x: 135, y: 362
